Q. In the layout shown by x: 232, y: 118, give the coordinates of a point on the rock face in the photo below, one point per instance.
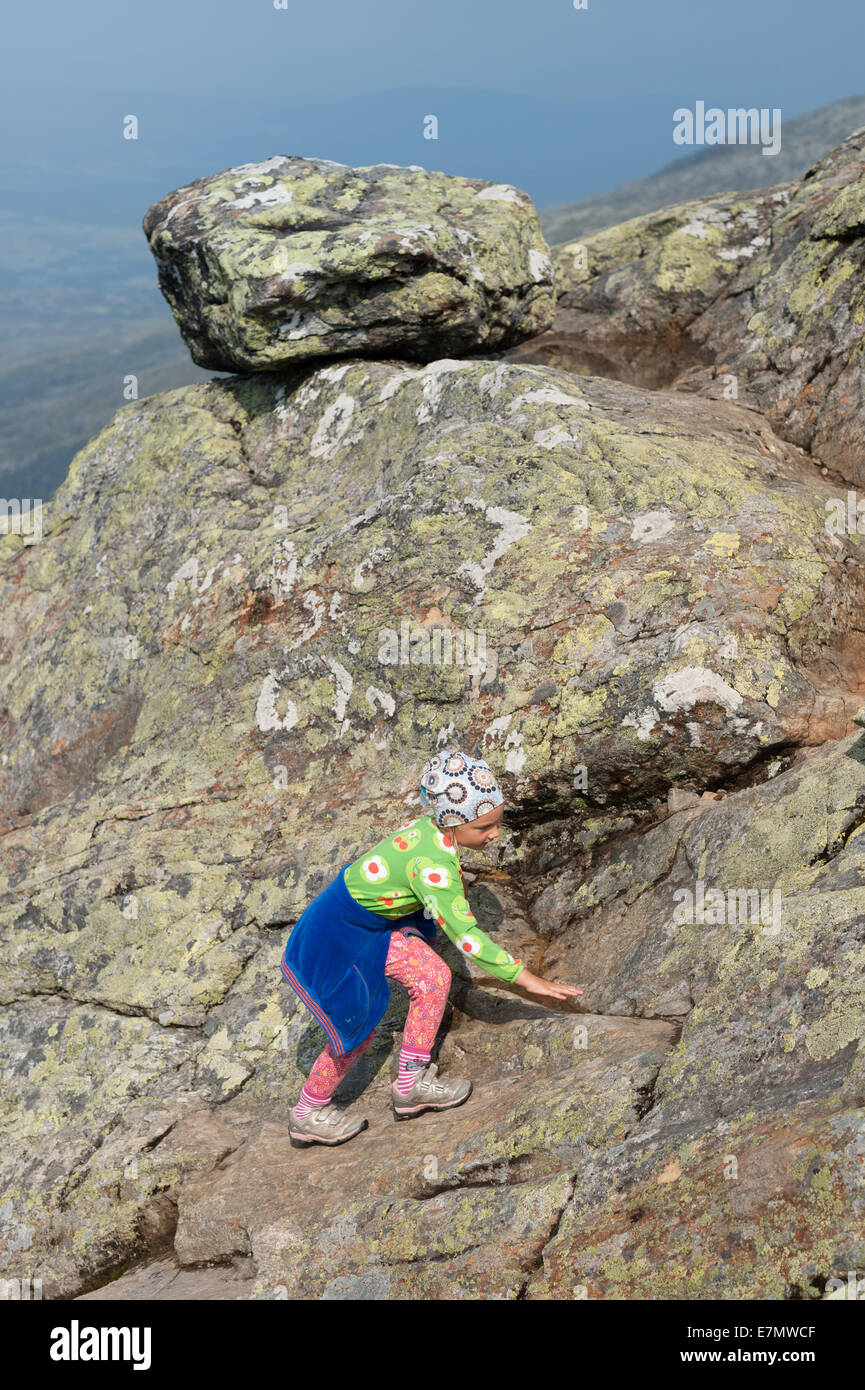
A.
x: 760, y: 1110
x: 629, y: 296
x: 349, y: 564
x: 272, y: 263
x: 257, y: 606
x: 759, y: 294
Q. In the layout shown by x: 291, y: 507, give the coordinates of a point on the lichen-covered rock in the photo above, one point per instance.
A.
x: 767, y: 1208
x: 747, y: 919
x: 755, y: 296
x: 235, y: 662
x: 87, y: 1096
x: 544, y: 1099
x: 628, y: 295
x: 749, y: 906
x: 369, y: 560
x: 271, y: 263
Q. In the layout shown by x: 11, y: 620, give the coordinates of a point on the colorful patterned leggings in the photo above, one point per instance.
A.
x: 426, y: 977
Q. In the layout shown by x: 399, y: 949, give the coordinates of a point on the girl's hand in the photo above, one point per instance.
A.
x: 544, y: 989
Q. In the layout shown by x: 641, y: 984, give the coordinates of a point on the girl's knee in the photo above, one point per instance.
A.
x: 428, y: 964
x: 441, y: 978
x: 421, y: 969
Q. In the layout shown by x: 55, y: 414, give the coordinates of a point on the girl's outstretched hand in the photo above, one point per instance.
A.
x: 544, y: 989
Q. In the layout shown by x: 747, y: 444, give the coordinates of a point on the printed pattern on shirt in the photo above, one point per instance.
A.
x: 420, y: 864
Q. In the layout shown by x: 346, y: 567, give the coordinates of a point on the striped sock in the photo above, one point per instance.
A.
x: 308, y: 1102
x: 411, y: 1061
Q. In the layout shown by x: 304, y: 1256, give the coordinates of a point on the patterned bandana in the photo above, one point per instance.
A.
x: 456, y: 789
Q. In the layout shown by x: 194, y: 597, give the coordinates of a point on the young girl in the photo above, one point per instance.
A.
x: 375, y: 923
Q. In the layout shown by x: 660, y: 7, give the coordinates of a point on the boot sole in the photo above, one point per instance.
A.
x: 419, y: 1109
x: 298, y: 1143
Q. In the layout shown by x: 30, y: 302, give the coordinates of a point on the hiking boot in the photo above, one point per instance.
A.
x: 429, y: 1092
x: 325, y: 1124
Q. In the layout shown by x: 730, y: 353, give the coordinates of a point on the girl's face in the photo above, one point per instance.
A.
x: 478, y: 832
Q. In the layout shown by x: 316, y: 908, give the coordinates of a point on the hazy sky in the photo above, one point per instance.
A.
x: 772, y: 52
x: 562, y: 102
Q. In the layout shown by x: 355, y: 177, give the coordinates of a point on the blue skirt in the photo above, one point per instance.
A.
x: 335, y: 958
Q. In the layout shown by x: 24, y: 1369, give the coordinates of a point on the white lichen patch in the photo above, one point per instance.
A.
x: 513, y: 528
x: 734, y: 253
x: 280, y: 409
x: 501, y: 193
x: 434, y: 376
x: 695, y: 227
x: 333, y: 373
x: 188, y: 570
x: 375, y: 556
x: 332, y: 427
x: 300, y: 325
x: 380, y: 699
x: 682, y: 690
x: 283, y: 568
x: 694, y: 685
x: 515, y: 759
x: 651, y: 526
x: 313, y: 603
x: 540, y: 268
x: 344, y: 686
x: 297, y: 271
x: 644, y: 722
x: 493, y: 382
x: 545, y: 395
x: 417, y: 237
x: 266, y: 715
x: 265, y: 166
x: 499, y: 727
x: 185, y: 202
x: 267, y: 198
x: 559, y: 434
x: 393, y: 383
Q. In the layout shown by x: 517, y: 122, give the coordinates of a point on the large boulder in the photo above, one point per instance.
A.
x: 755, y: 296
x: 268, y: 264
x: 635, y: 583
x: 236, y: 660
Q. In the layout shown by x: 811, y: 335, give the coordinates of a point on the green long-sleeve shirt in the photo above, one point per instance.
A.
x: 420, y: 864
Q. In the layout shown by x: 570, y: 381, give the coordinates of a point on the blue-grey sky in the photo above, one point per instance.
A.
x: 321, y: 49
x: 562, y: 102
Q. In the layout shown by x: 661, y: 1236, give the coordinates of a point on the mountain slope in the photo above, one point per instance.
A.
x: 711, y: 169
